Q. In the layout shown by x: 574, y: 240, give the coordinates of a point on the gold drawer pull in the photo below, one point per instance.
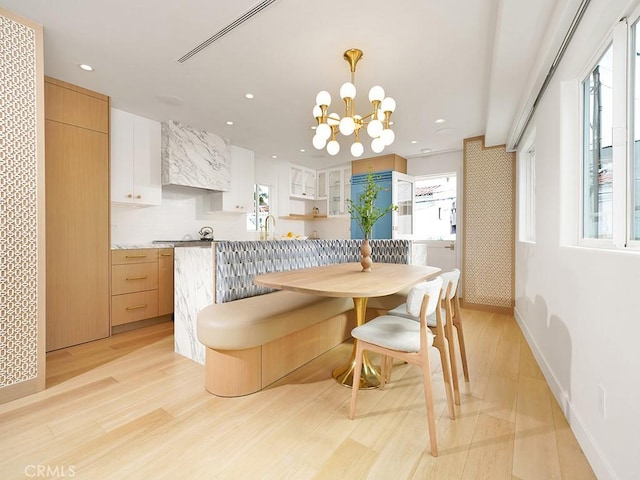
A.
x: 139, y: 277
x: 137, y: 307
x: 165, y: 254
x: 135, y: 256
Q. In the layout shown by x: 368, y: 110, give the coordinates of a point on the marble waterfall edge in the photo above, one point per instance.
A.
x: 195, y: 158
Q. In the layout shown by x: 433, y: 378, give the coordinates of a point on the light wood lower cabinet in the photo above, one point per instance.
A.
x: 140, y: 284
x: 165, y: 281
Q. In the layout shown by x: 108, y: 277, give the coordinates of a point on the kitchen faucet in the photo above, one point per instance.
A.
x: 266, y: 225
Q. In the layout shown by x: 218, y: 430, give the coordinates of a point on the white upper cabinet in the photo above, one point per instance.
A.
x: 135, y: 160
x: 239, y: 199
x: 338, y: 190
x: 302, y: 182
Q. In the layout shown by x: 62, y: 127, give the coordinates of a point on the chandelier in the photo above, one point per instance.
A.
x: 377, y: 123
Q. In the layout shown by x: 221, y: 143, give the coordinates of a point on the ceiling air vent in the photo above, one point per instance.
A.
x: 223, y: 31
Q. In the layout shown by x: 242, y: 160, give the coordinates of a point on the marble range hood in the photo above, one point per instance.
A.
x: 195, y: 158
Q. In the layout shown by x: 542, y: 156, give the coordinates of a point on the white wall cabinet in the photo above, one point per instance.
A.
x: 338, y: 191
x: 239, y: 199
x: 135, y: 160
x: 302, y: 182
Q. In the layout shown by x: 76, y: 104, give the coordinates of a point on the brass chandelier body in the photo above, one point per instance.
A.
x: 377, y: 122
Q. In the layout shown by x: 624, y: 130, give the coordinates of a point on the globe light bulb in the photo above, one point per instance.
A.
x: 319, y: 142
x: 333, y: 119
x: 323, y: 98
x: 388, y: 105
x: 375, y: 94
x: 374, y: 129
x: 357, y: 149
x: 323, y: 131
x: 377, y: 145
x: 347, y: 126
x: 333, y: 147
x: 317, y: 111
x: 347, y: 90
x: 387, y: 136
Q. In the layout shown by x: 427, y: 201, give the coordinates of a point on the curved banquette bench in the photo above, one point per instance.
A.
x: 254, y: 336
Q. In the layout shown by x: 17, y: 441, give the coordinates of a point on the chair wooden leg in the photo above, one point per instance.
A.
x: 428, y: 397
x: 441, y: 345
x: 356, y: 378
x: 457, y: 322
x: 448, y: 329
x: 385, y: 370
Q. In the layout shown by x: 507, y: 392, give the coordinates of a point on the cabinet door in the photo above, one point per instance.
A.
x: 147, y: 188
x: 334, y: 200
x: 310, y: 183
x: 121, y: 157
x: 322, y: 185
x: 296, y: 181
x: 77, y: 221
x: 135, y: 159
x: 165, y: 281
x: 239, y: 199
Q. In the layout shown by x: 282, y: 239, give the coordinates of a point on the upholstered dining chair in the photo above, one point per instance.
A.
x: 405, y: 339
x: 450, y: 305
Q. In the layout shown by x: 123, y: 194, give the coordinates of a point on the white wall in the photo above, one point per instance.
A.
x: 577, y: 306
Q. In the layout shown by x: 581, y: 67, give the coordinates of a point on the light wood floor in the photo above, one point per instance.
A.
x: 129, y: 407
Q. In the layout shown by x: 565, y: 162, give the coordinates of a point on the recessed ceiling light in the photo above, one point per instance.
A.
x: 274, y: 156
x: 248, y: 95
x: 85, y: 67
x: 313, y: 127
x: 302, y: 150
x: 229, y: 122
x: 414, y: 141
x: 440, y: 120
x: 426, y: 150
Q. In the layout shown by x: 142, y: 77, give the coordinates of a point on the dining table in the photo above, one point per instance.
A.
x: 349, y: 280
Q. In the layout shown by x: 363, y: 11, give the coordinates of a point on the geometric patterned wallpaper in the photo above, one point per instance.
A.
x: 18, y: 203
x: 489, y: 224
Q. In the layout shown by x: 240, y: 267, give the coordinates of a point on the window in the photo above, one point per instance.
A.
x: 256, y: 219
x: 635, y: 129
x: 610, y: 172
x: 528, y: 195
x: 597, y: 187
x: 436, y: 207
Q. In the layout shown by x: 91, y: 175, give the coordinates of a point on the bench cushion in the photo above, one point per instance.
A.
x: 254, y: 321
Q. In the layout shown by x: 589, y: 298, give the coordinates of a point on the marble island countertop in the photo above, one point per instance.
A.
x: 190, y: 243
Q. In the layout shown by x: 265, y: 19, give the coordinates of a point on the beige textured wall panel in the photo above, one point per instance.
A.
x: 489, y: 193
x: 21, y: 208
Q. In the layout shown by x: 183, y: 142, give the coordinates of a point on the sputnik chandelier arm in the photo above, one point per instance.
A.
x: 376, y: 123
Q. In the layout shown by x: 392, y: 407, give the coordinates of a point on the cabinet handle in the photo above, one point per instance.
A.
x: 138, y: 196
x: 139, y: 277
x: 135, y: 256
x: 130, y: 195
x: 137, y: 307
x: 165, y: 254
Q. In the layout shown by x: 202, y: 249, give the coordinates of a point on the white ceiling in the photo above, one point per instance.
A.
x: 474, y: 63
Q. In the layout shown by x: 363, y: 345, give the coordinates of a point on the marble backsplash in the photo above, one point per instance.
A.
x: 195, y: 158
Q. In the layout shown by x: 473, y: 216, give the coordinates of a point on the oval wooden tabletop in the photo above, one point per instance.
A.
x: 348, y: 279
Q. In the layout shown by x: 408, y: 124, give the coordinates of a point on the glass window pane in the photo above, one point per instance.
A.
x: 635, y: 112
x: 597, y: 170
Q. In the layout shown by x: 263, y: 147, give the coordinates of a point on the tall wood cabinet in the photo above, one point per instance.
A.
x: 77, y: 214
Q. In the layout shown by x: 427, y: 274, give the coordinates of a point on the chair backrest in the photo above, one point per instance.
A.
x: 417, y: 293
x: 452, y: 277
